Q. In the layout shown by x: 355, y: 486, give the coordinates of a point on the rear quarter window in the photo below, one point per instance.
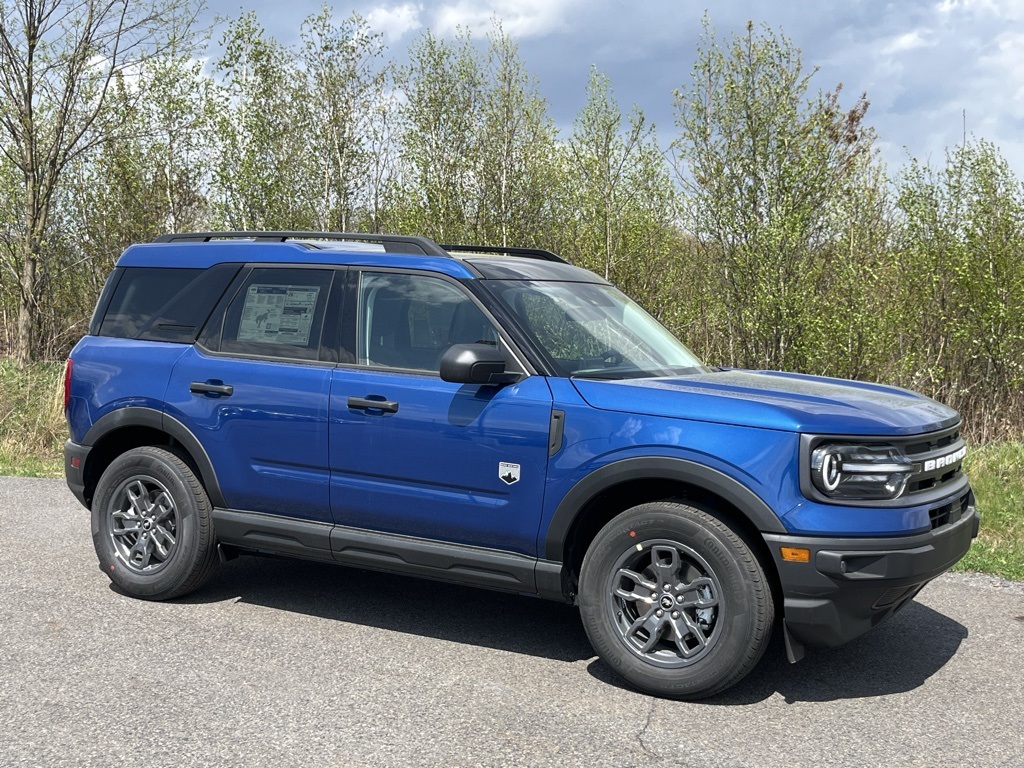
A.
x: 164, y: 304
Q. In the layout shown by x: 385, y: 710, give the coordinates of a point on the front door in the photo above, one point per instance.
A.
x: 412, y: 454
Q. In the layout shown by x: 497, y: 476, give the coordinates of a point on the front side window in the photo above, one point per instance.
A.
x: 407, y: 322
x: 595, y: 330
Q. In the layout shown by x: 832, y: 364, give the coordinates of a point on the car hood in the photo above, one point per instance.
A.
x: 773, y: 400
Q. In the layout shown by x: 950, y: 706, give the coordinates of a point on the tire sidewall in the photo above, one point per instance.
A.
x: 703, y: 534
x: 160, y: 466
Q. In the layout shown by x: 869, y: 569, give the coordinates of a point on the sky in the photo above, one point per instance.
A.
x: 930, y: 68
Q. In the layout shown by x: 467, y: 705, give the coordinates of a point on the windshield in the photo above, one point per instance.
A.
x: 595, y: 331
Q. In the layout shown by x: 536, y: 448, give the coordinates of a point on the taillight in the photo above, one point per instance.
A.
x: 67, y: 382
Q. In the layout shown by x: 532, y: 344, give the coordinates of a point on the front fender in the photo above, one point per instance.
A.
x: 655, y: 468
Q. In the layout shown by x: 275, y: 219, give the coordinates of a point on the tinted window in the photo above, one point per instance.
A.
x: 142, y: 293
x: 164, y: 304
x: 408, y: 321
x: 278, y: 312
x: 104, y: 300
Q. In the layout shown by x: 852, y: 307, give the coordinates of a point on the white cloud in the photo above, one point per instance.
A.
x: 395, y: 22
x: 519, y: 18
x: 1002, y: 9
x: 908, y: 41
x: 936, y: 69
x: 1008, y: 60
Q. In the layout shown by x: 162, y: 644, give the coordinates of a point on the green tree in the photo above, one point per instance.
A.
x: 439, y: 138
x: 58, y: 63
x: 855, y: 272
x: 516, y: 148
x: 177, y: 126
x: 345, y: 86
x: 382, y: 189
x: 263, y: 174
x: 619, y: 199
x: 963, y: 284
x: 149, y: 178
x: 11, y: 206
x: 762, y: 162
x: 143, y: 179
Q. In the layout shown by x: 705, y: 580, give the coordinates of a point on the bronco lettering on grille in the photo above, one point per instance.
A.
x: 945, y: 461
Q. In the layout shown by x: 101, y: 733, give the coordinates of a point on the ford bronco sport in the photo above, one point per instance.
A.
x: 497, y: 417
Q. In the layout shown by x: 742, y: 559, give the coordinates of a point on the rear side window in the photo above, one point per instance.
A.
x: 164, y: 304
x: 277, y: 312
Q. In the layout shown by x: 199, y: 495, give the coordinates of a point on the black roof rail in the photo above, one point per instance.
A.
x: 528, y: 253
x: 392, y: 243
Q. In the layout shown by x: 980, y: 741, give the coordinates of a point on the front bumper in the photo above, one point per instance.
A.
x: 850, y: 585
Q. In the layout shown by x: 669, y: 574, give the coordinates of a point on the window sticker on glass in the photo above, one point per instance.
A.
x: 279, y: 314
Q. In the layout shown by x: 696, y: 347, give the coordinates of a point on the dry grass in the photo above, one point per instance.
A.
x: 997, y: 476
x: 32, y: 426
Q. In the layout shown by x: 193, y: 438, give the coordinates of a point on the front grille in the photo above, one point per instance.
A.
x: 933, y: 449
x: 941, y: 440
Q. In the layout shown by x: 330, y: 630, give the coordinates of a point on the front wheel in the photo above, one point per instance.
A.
x: 152, y: 525
x: 674, y: 601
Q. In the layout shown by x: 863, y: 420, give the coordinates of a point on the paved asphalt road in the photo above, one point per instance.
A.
x: 284, y: 663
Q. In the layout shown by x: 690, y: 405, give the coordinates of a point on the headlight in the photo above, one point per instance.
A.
x: 845, y: 471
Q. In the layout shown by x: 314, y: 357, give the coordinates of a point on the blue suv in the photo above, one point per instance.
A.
x: 497, y: 417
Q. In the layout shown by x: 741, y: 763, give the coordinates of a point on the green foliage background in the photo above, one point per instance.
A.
x: 768, y: 234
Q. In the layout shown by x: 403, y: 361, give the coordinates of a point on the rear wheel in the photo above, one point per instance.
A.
x: 152, y: 525
x: 674, y: 601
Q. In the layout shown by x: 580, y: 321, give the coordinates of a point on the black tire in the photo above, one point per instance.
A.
x: 694, y: 632
x: 152, y: 525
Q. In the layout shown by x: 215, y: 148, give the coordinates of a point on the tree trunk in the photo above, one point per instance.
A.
x: 25, y: 344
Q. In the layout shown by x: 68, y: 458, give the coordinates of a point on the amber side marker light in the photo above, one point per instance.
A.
x: 796, y: 555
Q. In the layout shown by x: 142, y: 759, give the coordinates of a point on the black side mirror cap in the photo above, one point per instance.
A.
x: 475, y: 364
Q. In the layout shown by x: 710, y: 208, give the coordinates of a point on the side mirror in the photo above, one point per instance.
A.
x: 475, y: 364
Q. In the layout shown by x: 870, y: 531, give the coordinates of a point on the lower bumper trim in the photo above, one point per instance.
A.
x: 852, y: 585
x: 74, y: 464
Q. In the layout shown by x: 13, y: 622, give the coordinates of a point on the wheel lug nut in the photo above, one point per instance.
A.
x: 668, y: 587
x: 659, y: 614
x: 675, y: 614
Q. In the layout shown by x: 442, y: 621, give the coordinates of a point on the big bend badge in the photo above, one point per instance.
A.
x: 509, y: 473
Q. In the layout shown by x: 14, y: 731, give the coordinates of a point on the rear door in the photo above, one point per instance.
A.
x: 415, y: 455
x: 255, y: 391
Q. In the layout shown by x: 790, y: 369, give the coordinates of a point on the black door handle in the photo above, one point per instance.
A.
x: 370, y: 403
x: 208, y: 388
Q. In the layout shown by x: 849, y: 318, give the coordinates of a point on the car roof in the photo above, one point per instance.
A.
x: 506, y: 268
x: 463, y: 263
x: 202, y: 255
